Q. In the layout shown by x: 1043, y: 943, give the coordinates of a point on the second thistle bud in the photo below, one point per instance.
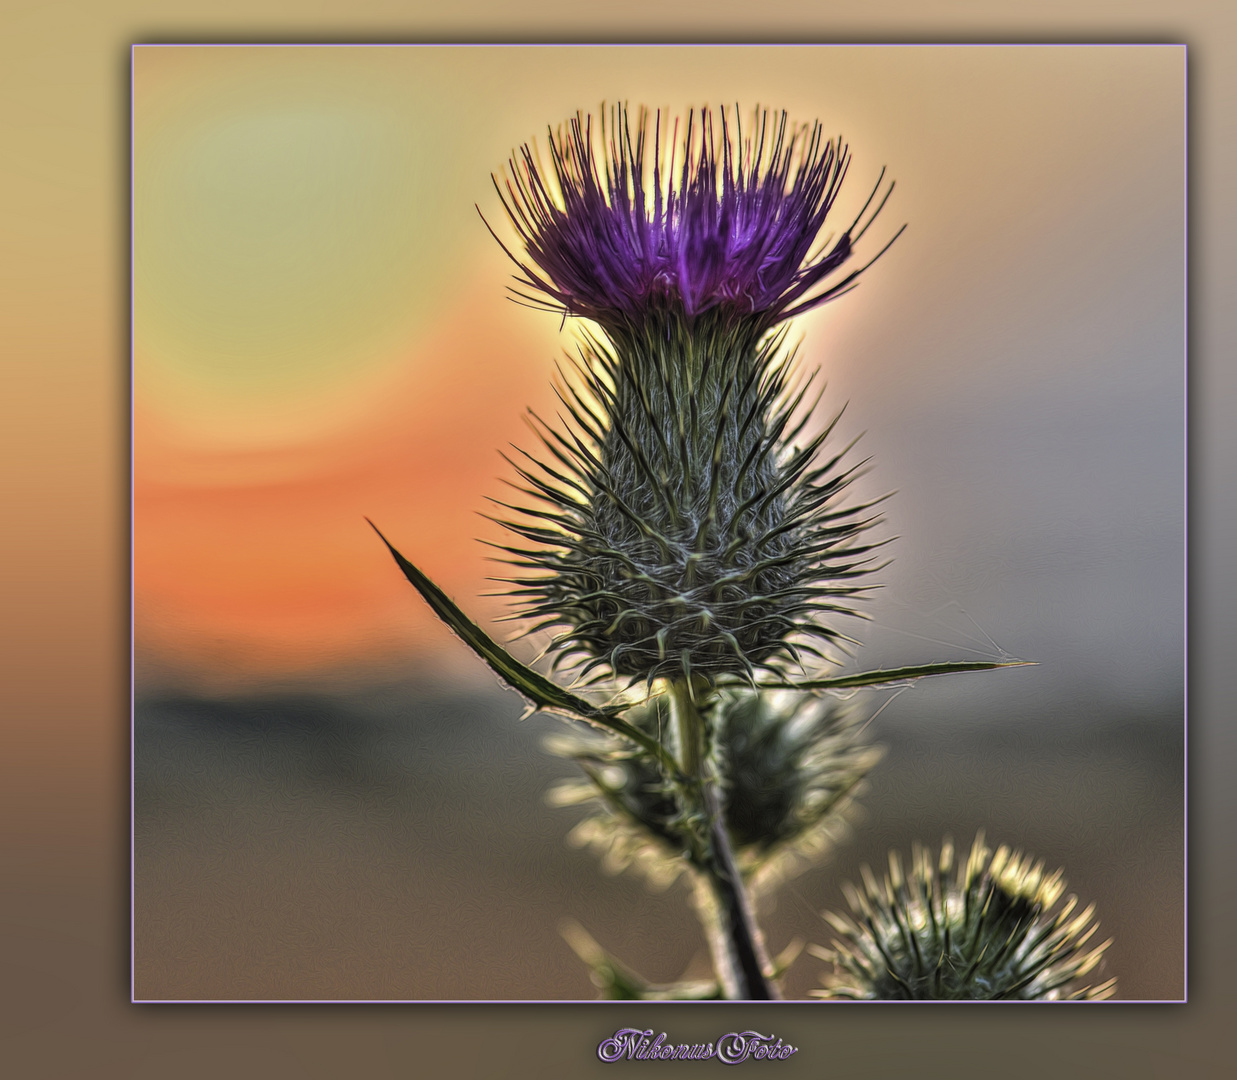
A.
x: 992, y: 931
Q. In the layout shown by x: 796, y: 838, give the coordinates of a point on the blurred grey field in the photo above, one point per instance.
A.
x: 394, y: 842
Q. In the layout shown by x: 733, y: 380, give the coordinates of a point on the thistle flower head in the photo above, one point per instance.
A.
x: 679, y: 526
x: 721, y: 221
x: 989, y: 933
x: 789, y: 765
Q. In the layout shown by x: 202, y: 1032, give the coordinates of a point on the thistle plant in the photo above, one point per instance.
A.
x: 686, y: 536
x: 683, y: 536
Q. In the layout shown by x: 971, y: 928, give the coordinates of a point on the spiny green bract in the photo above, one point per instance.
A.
x: 618, y: 982
x: 789, y: 766
x: 681, y: 528
x: 988, y: 934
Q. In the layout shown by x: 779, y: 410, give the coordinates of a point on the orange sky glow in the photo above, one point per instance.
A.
x: 268, y: 553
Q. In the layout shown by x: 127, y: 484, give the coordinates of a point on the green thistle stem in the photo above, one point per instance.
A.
x: 688, y: 728
x: 735, y: 941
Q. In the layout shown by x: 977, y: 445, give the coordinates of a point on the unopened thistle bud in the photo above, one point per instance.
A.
x: 680, y: 526
x: 990, y: 933
x: 789, y: 766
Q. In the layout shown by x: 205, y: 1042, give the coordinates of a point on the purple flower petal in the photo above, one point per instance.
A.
x: 735, y: 233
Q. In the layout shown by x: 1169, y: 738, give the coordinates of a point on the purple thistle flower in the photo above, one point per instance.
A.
x: 736, y: 233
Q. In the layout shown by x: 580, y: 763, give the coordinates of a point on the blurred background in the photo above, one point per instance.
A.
x: 334, y: 800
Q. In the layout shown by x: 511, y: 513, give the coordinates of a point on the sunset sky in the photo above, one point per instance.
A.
x: 322, y: 332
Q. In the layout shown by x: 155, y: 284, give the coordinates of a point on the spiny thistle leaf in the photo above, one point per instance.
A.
x: 992, y: 932
x: 534, y: 686
x: 892, y: 676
